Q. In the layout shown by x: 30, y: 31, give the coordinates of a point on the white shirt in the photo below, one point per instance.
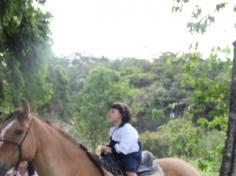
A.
x: 127, y: 138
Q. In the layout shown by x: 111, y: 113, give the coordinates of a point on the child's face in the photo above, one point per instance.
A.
x: 114, y: 116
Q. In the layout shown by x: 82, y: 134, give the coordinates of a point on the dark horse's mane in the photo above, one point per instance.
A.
x: 93, y: 158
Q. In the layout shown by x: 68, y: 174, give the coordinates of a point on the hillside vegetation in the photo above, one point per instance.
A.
x: 179, y: 101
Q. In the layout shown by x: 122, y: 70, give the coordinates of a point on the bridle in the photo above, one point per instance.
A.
x: 20, y: 144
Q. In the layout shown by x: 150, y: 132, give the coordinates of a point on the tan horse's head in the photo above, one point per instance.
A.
x: 16, y: 138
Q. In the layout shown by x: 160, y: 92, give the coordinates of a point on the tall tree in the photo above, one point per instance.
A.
x: 24, y: 49
x: 228, y: 167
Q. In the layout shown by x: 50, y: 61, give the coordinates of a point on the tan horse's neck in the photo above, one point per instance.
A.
x: 58, y: 156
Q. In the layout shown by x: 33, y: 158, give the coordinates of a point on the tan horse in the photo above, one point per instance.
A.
x: 23, y: 136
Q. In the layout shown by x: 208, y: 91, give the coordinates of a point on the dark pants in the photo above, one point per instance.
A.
x: 130, y: 162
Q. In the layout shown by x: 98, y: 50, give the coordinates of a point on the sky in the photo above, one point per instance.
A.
x: 133, y: 28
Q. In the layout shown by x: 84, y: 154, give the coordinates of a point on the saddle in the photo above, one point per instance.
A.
x: 146, y: 168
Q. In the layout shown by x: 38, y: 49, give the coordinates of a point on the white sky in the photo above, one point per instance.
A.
x: 132, y: 28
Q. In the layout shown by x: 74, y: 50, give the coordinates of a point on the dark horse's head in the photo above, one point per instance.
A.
x: 16, y: 138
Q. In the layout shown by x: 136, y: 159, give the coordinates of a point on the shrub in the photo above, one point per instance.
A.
x: 181, y: 139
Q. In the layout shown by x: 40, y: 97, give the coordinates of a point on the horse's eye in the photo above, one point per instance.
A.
x: 19, y: 132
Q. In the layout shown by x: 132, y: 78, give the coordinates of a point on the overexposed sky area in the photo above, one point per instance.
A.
x: 133, y: 28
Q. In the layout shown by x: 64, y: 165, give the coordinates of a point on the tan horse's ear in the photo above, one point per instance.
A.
x: 25, y: 107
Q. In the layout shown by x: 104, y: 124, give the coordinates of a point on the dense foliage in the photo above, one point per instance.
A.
x: 24, y: 43
x: 179, y: 102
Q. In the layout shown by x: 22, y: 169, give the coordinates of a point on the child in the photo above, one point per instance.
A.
x: 124, y: 139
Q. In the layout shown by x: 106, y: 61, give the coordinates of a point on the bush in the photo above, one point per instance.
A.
x: 181, y: 139
x: 175, y: 138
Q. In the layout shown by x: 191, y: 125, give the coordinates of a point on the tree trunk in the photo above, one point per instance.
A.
x: 1, y: 89
x: 228, y: 167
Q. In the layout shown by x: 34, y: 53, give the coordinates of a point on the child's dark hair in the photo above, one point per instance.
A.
x: 124, y: 111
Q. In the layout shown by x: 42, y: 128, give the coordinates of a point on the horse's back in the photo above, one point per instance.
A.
x: 176, y: 167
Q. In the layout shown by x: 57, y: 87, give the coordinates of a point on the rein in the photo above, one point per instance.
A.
x: 19, y: 145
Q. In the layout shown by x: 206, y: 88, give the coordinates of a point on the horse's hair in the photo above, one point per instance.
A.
x: 93, y: 158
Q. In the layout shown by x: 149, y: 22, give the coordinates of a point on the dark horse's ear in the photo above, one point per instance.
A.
x: 25, y: 107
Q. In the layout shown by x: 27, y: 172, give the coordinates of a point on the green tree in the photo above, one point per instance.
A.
x: 24, y: 50
x: 209, y: 80
x: 165, y: 93
x: 102, y: 87
x: 200, y: 20
x: 60, y: 105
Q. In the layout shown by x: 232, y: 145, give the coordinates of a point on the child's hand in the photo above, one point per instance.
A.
x: 106, y: 150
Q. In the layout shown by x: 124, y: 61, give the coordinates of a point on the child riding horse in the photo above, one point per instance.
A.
x: 124, y: 139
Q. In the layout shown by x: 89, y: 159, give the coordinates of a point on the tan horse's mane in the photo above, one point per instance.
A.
x: 93, y: 158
